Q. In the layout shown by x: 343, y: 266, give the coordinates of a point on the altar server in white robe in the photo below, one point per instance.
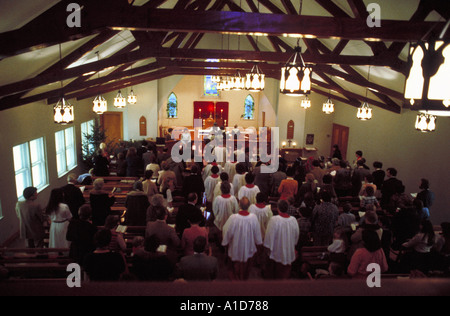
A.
x: 281, y: 239
x: 242, y: 236
x: 223, y: 177
x: 224, y: 206
x: 238, y: 180
x: 263, y: 212
x: 250, y: 190
x: 210, y: 183
x: 207, y: 170
x: 230, y: 168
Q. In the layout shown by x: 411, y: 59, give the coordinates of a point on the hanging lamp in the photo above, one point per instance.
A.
x: 306, y: 103
x: 120, y: 101
x: 63, y: 112
x: 365, y: 111
x: 328, y: 107
x: 429, y: 72
x: 296, y: 75
x: 425, y: 122
x: 100, y: 105
x: 255, y: 81
x: 132, y: 98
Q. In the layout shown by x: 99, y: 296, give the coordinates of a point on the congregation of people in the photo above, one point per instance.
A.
x: 237, y: 218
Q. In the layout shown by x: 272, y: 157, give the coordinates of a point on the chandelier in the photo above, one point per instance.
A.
x: 426, y: 122
x: 295, y: 75
x: 255, y: 81
x: 132, y: 98
x: 306, y: 103
x: 120, y: 101
x: 100, y: 105
x: 328, y: 107
x: 63, y: 112
x: 364, y: 112
x: 237, y: 82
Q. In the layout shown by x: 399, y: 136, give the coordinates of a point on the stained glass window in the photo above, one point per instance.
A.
x: 210, y: 87
x: 249, y: 108
x: 172, y: 106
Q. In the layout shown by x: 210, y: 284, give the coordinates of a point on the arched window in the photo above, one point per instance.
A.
x: 172, y: 106
x: 249, y: 108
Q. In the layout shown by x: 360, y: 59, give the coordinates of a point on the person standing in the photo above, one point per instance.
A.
x: 31, y: 219
x: 242, y: 235
x: 281, y: 239
x: 324, y: 219
x: 73, y: 196
x: 60, y: 216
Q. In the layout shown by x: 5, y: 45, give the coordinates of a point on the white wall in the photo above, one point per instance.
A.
x: 392, y: 139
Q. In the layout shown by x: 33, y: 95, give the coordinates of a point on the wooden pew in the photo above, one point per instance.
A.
x: 314, y: 256
x: 35, y: 262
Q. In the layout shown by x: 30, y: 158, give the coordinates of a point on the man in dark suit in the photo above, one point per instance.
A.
x: 199, y: 266
x: 186, y: 213
x: 73, y: 196
x: 390, y: 187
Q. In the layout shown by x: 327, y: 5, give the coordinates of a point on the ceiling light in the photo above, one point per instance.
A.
x: 429, y: 74
x: 306, y: 103
x: 120, y: 101
x: 100, y: 105
x: 364, y: 112
x: 295, y: 75
x: 255, y: 81
x: 328, y: 107
x: 63, y: 112
x: 132, y: 98
x: 425, y: 122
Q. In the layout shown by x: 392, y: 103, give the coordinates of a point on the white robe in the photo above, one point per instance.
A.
x: 207, y: 171
x: 218, y: 192
x: 238, y: 182
x: 263, y: 214
x: 242, y: 234
x: 281, y: 238
x: 223, y: 208
x: 58, y: 227
x: 250, y: 193
x: 230, y: 169
x: 210, y: 185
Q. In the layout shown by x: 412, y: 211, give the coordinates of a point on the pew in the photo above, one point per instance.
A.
x: 32, y: 263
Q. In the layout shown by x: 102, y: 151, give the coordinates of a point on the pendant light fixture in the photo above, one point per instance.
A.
x: 255, y: 81
x: 100, y: 104
x: 425, y: 122
x: 63, y: 111
x: 306, y: 103
x: 120, y: 101
x: 296, y: 75
x: 429, y: 74
x: 132, y: 98
x: 365, y: 111
x: 238, y: 82
x: 328, y: 107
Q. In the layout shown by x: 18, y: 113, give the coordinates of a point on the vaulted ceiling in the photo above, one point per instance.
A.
x: 122, y: 43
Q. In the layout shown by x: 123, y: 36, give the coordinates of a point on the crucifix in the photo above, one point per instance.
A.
x: 290, y: 142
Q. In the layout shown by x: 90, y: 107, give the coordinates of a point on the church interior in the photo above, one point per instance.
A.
x: 195, y: 63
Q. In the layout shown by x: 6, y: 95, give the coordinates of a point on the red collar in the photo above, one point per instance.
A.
x: 214, y: 163
x: 250, y: 186
x: 214, y: 176
x: 244, y: 213
x: 260, y: 205
x: 284, y: 215
x: 226, y: 196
